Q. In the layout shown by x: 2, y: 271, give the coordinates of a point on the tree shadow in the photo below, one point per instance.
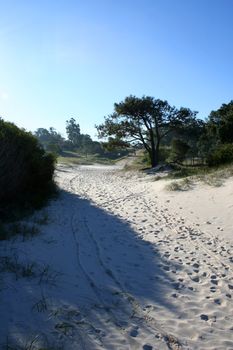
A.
x: 110, y: 281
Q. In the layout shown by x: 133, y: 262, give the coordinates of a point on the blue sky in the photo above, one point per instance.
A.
x: 62, y: 58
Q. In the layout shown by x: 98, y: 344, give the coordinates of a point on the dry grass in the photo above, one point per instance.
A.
x: 180, y: 185
x: 190, y: 177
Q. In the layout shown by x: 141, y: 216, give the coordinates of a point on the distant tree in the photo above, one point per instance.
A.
x: 85, y: 143
x: 220, y: 123
x: 73, y: 132
x: 145, y: 120
x: 43, y: 135
x: 50, y: 139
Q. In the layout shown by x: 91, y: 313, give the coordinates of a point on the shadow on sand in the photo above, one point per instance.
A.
x: 110, y: 282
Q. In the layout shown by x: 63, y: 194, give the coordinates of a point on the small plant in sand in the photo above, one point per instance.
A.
x: 48, y: 275
x: 28, y: 270
x: 41, y: 305
x: 18, y: 228
x: 37, y: 342
x: 45, y: 274
x: 182, y: 185
x: 213, y: 180
x: 64, y: 327
x: 157, y: 178
x: 20, y: 270
x: 10, y: 264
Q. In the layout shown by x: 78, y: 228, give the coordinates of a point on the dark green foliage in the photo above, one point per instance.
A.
x: 179, y: 150
x: 51, y: 140
x: 220, y: 123
x: 78, y: 142
x: 223, y: 154
x: 146, y: 121
x: 216, y: 143
x: 73, y: 132
x: 206, y: 144
x: 115, y: 144
x: 54, y: 148
x: 164, y: 153
x: 179, y: 171
x: 26, y: 171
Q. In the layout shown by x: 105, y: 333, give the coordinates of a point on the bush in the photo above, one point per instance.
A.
x: 164, y: 153
x: 223, y: 154
x: 182, y: 185
x: 26, y: 171
x: 179, y: 150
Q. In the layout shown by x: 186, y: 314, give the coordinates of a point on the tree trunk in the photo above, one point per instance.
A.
x: 154, y: 155
x: 152, y: 158
x: 154, y: 151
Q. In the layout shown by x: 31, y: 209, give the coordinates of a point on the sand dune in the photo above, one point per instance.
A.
x: 129, y: 266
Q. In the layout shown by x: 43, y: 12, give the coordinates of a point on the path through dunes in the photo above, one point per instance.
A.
x: 130, y: 274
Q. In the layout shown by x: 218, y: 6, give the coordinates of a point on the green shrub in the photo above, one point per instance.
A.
x: 179, y: 150
x: 223, y: 154
x: 164, y: 153
x: 26, y: 170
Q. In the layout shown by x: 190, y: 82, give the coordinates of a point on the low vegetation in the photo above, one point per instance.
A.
x: 182, y: 185
x: 68, y: 157
x: 186, y: 178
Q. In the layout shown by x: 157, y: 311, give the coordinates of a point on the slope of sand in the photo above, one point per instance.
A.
x: 121, y: 264
x: 209, y: 207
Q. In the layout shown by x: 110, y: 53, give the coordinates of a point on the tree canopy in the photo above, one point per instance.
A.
x: 146, y: 121
x: 73, y: 131
x: 51, y: 140
x: 220, y: 123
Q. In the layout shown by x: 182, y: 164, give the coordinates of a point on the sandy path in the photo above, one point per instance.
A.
x: 131, y: 275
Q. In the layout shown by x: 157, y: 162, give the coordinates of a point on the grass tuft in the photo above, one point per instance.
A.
x: 183, y: 185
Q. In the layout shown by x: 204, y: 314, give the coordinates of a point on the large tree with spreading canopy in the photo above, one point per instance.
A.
x: 146, y: 121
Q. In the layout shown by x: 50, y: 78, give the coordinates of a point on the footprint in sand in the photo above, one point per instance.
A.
x: 134, y: 332
x: 204, y: 317
x: 166, y: 268
x: 147, y: 347
x: 195, y: 279
x: 213, y: 279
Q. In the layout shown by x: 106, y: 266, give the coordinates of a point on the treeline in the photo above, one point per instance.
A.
x: 171, y: 134
x: 53, y: 141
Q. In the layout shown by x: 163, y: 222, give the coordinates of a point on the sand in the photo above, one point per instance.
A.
x: 122, y: 264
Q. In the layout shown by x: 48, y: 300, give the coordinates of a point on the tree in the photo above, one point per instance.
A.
x: 222, y: 154
x: 43, y: 135
x: 179, y: 150
x: 220, y: 123
x: 146, y: 121
x: 50, y: 139
x: 73, y: 132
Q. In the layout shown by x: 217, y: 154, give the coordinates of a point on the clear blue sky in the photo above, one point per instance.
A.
x: 62, y: 58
